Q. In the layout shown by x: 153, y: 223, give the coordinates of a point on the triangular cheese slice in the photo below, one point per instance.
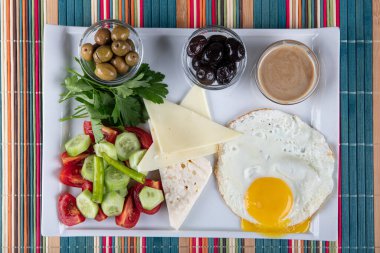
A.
x: 182, y: 184
x: 196, y: 101
x: 154, y: 160
x: 180, y: 129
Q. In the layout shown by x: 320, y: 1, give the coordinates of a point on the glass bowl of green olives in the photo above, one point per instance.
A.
x: 110, y: 52
x: 214, y: 57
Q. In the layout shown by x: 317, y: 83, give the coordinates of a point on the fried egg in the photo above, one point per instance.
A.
x: 276, y: 175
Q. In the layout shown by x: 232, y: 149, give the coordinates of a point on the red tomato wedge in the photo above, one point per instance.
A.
x: 153, y: 184
x: 144, y: 137
x: 109, y: 133
x: 87, y: 186
x: 137, y: 189
x: 70, y: 175
x: 130, y: 215
x: 68, y: 212
x: 72, y: 160
x: 100, y: 216
x: 87, y: 129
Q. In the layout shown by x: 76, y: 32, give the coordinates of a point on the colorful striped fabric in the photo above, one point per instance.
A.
x: 22, y: 24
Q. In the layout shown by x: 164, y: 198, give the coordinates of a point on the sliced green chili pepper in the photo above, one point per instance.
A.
x: 98, y: 184
x: 139, y: 177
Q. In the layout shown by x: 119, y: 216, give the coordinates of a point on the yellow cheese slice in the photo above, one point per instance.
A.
x: 195, y: 100
x: 179, y: 129
x: 154, y: 160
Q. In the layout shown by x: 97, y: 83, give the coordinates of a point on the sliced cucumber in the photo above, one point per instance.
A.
x: 78, y: 145
x: 122, y: 192
x: 88, y: 168
x: 126, y: 143
x: 136, y: 157
x: 115, y: 179
x: 150, y: 197
x: 112, y: 204
x: 105, y: 147
x: 85, y: 205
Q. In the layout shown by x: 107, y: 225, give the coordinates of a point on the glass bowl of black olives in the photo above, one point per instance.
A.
x: 110, y: 52
x: 214, y: 57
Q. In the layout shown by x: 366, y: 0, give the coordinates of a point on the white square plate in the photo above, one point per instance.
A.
x: 210, y: 217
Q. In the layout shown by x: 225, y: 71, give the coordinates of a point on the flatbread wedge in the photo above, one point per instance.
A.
x: 183, y: 183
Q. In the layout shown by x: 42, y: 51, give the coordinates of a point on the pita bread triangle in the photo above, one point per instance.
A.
x: 183, y: 183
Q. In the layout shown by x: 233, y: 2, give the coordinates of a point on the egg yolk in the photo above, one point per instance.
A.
x: 276, y: 231
x: 269, y: 200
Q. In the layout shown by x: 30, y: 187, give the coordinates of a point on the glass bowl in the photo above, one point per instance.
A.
x: 207, y: 32
x: 313, y: 59
x: 88, y: 37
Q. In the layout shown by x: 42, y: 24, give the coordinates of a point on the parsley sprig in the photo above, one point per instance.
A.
x: 117, y: 106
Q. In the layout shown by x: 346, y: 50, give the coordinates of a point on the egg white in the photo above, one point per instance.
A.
x: 276, y: 144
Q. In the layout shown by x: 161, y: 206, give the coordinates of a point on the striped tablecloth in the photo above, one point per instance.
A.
x: 22, y: 24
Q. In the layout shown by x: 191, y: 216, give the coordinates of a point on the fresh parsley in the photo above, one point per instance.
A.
x: 122, y: 105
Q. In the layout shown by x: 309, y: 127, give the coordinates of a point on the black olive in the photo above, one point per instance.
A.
x: 217, y: 38
x: 196, y: 45
x: 234, y: 49
x: 213, y: 53
x: 205, y: 75
x: 226, y: 73
x: 196, y: 62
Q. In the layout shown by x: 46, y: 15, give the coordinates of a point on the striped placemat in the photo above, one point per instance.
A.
x: 22, y: 24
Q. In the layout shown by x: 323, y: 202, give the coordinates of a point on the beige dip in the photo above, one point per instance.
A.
x: 287, y: 74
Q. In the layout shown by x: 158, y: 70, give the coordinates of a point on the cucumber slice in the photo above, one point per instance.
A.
x: 85, y: 205
x: 87, y: 171
x: 135, y: 158
x: 112, y: 204
x: 150, y: 197
x: 122, y: 192
x: 78, y: 145
x: 126, y: 143
x: 105, y: 147
x: 115, y: 179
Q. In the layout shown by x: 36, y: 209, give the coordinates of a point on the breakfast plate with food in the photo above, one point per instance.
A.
x: 180, y: 132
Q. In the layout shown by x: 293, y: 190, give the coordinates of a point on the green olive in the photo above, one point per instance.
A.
x: 105, y: 71
x: 96, y: 58
x: 103, y: 36
x: 103, y: 54
x: 120, y: 33
x: 120, y: 47
x: 120, y: 65
x: 130, y: 42
x: 132, y: 58
x: 87, y: 51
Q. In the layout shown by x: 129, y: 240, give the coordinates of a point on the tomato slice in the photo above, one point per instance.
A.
x: 144, y: 137
x: 72, y: 160
x: 153, y: 184
x: 87, y: 129
x: 100, y: 216
x: 70, y: 175
x: 87, y: 186
x: 68, y: 212
x: 130, y: 215
x: 109, y: 133
x: 137, y: 189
